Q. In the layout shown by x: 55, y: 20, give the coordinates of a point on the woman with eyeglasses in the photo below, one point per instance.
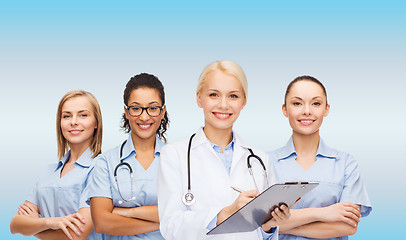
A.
x: 333, y: 209
x: 122, y: 189
x: 57, y: 208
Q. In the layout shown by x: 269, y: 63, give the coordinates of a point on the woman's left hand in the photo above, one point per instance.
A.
x: 279, y: 216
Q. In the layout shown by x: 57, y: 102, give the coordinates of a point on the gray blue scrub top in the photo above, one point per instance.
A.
x: 337, y: 172
x: 58, y: 196
x: 103, y: 184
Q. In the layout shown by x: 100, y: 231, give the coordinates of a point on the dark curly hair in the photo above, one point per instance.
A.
x: 148, y: 81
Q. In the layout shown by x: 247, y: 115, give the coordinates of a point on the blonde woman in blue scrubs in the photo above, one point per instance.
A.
x: 333, y: 209
x: 56, y: 208
x: 124, y: 205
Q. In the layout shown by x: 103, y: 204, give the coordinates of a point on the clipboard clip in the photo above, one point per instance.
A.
x: 294, y: 183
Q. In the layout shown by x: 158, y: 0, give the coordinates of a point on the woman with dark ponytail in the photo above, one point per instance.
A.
x: 332, y: 210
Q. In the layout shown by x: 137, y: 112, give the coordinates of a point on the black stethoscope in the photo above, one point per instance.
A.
x: 189, y: 199
x: 122, y: 164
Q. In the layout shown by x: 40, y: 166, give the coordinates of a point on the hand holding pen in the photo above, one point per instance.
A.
x: 242, y: 199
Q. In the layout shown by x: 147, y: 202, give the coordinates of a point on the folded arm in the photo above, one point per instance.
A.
x: 84, y: 231
x: 149, y: 213
x: 28, y: 223
x: 107, y: 222
x: 322, y: 230
x: 341, y: 218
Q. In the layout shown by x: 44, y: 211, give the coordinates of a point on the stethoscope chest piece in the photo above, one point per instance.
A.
x: 188, y: 199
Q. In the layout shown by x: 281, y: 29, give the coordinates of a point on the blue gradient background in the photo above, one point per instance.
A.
x: 357, y: 48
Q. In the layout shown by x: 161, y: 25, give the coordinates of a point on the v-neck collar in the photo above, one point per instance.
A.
x: 84, y: 160
x: 128, y: 150
x: 322, y: 150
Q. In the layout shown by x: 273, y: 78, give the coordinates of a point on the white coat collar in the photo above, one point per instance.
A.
x: 201, y: 138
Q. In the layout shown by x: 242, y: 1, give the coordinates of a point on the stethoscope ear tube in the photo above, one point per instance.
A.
x: 250, y: 167
x: 189, y: 199
x: 189, y: 186
x: 254, y: 156
x: 122, y: 163
x: 121, y: 149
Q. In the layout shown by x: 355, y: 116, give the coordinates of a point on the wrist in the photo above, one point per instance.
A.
x: 46, y: 222
x: 133, y: 212
x: 223, y: 214
x: 269, y: 226
x: 318, y: 214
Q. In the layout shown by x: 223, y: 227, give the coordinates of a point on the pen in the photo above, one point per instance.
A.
x: 237, y: 189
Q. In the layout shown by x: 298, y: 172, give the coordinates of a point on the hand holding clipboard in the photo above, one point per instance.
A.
x: 278, y: 213
x: 243, y: 199
x: 253, y: 213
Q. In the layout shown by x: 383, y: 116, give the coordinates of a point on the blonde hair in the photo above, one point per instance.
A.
x: 227, y: 67
x: 96, y: 143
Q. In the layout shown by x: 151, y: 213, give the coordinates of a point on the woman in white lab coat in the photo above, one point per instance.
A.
x: 218, y: 163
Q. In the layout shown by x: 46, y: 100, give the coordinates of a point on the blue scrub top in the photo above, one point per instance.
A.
x: 58, y: 196
x: 337, y: 172
x: 103, y: 184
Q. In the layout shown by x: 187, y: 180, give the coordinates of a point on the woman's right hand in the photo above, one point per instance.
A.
x: 28, y: 209
x: 346, y: 212
x: 242, y: 200
x: 74, y: 221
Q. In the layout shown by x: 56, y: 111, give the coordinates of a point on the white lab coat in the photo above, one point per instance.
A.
x: 210, y: 184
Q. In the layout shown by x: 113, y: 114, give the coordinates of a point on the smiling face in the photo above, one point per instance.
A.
x: 144, y: 126
x: 306, y: 106
x: 222, y: 98
x: 78, y: 122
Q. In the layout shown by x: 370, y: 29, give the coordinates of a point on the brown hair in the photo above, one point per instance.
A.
x: 304, y: 78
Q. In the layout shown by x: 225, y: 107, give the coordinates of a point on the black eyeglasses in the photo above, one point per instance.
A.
x: 153, y: 111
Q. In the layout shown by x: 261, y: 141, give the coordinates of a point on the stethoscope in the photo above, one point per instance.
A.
x: 122, y: 164
x: 189, y: 198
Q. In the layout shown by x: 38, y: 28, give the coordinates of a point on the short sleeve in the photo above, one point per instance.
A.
x: 85, y: 193
x: 33, y: 195
x: 99, y: 180
x: 354, y: 189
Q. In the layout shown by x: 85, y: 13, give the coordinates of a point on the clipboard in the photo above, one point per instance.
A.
x: 258, y: 210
